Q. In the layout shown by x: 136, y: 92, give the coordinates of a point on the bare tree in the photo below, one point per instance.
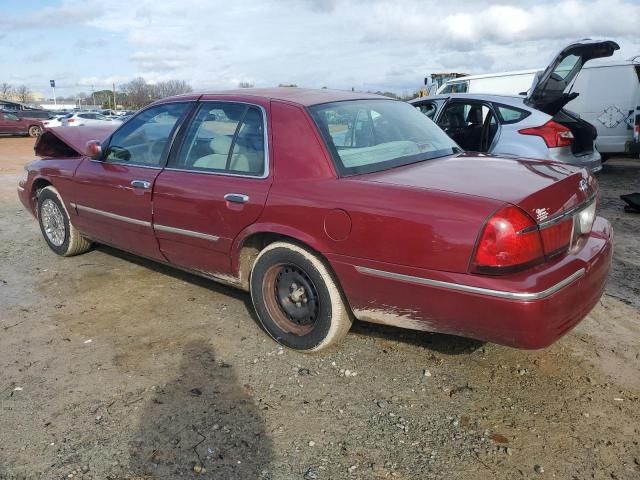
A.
x: 138, y: 92
x: 5, y: 90
x: 170, y: 88
x: 245, y: 85
x: 24, y: 93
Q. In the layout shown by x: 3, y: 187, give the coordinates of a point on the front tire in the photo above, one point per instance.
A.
x: 57, y: 230
x: 35, y: 131
x: 297, y: 299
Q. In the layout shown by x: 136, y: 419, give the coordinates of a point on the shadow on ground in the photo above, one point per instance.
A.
x: 201, y: 419
x: 441, y: 343
x: 445, y: 344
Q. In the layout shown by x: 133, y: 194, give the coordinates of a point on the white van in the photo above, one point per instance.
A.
x: 609, y: 98
x: 503, y: 83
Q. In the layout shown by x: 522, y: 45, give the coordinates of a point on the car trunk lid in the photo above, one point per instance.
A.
x: 548, y: 91
x: 543, y: 189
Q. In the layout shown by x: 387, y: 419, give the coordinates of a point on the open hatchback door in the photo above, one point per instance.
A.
x: 549, y: 91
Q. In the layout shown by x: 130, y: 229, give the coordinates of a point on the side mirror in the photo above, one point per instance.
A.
x: 93, y: 150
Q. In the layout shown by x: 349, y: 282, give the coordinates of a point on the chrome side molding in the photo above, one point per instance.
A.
x: 113, y: 216
x: 522, y: 296
x: 187, y: 233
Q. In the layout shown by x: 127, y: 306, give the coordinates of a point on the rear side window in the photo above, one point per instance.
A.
x: 224, y: 137
x: 511, y: 114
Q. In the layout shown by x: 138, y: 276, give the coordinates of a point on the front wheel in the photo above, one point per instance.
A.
x: 57, y: 230
x: 35, y: 131
x: 297, y: 298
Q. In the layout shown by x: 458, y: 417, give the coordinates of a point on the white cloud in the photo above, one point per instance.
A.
x: 338, y: 43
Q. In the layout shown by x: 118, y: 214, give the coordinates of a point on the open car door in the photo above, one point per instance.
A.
x: 548, y: 91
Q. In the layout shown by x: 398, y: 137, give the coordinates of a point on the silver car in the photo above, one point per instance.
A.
x: 535, y: 125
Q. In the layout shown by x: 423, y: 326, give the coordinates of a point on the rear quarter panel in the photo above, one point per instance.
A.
x: 352, y: 217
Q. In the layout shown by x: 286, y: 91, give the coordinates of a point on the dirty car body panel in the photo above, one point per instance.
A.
x: 403, y: 234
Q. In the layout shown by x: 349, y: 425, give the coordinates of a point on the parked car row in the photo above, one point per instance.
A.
x: 535, y: 125
x: 609, y: 98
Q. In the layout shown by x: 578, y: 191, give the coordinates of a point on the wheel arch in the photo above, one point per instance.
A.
x: 36, y: 186
x: 255, y: 238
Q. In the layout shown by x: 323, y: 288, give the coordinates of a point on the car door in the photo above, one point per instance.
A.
x: 472, y: 124
x: 112, y: 196
x: 215, y: 184
x: 10, y: 124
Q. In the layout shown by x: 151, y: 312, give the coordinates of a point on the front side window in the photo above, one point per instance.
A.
x: 372, y: 135
x: 224, y: 137
x: 143, y: 139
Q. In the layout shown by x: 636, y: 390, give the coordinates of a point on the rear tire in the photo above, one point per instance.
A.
x: 297, y: 299
x: 57, y: 230
x: 35, y: 131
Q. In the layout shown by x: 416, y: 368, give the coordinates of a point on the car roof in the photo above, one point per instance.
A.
x: 301, y: 96
x: 515, y: 100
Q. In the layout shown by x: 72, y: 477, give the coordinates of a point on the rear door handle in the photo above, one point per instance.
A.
x: 236, y: 197
x: 140, y: 184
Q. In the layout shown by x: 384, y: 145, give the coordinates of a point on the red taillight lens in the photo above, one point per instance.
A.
x: 553, y: 134
x: 71, y: 120
x: 556, y: 237
x: 510, y: 241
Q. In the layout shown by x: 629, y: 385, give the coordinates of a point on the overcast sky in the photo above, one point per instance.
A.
x: 365, y: 44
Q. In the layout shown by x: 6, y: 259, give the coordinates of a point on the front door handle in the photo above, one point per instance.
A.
x: 140, y: 184
x: 236, y: 197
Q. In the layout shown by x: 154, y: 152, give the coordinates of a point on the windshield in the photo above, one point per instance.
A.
x: 367, y: 136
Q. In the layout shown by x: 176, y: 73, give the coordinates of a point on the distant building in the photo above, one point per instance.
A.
x: 67, y: 105
x: 12, y: 106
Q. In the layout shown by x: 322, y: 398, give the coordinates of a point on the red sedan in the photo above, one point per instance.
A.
x: 329, y: 206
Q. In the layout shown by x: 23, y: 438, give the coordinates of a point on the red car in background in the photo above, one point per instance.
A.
x: 328, y: 206
x: 11, y: 124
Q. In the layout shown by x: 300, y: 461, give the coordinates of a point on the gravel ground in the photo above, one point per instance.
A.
x: 112, y: 367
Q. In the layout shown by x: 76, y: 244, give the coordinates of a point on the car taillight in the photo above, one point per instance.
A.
x: 71, y: 120
x: 556, y: 237
x: 553, y: 134
x: 510, y: 241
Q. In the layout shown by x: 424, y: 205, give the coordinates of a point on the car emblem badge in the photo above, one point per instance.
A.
x: 583, y: 186
x: 541, y: 213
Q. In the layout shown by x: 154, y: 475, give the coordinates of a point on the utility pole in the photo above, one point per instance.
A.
x: 115, y: 105
x: 93, y: 95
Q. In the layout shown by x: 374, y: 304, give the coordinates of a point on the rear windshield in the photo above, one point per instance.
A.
x: 367, y: 136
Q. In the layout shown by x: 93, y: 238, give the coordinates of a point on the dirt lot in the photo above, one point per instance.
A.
x: 112, y: 367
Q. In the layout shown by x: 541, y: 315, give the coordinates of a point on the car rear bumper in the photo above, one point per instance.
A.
x: 529, y: 310
x: 592, y: 161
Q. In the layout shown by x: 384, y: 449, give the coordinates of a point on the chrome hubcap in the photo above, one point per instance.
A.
x: 53, y: 222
